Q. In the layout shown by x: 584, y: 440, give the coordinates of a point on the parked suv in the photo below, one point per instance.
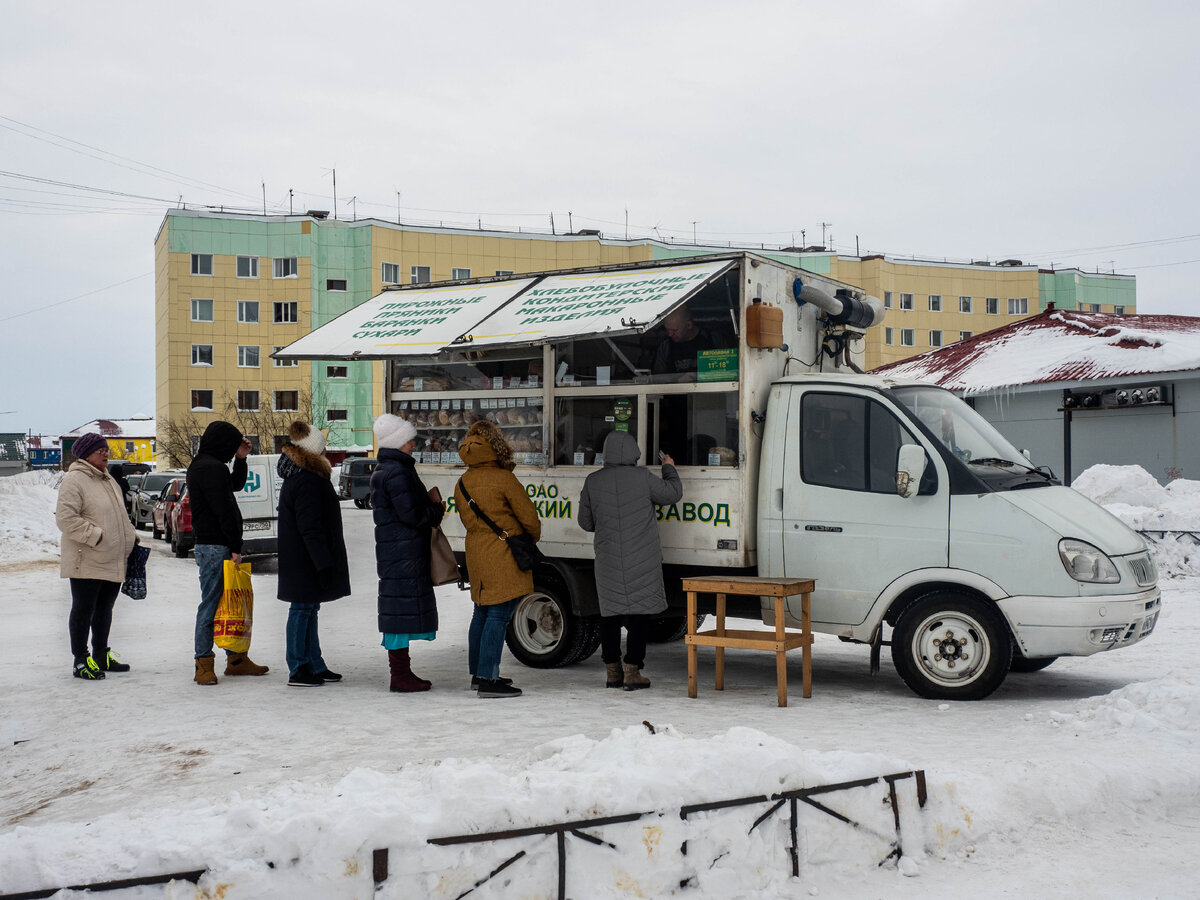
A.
x: 147, y: 493
x: 354, y: 483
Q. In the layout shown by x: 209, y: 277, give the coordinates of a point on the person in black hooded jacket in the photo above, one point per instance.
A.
x: 217, y: 524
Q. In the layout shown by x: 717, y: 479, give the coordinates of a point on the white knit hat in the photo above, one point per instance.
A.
x: 393, y: 432
x: 307, y: 438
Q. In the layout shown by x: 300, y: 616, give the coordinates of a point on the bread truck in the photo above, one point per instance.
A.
x: 924, y: 529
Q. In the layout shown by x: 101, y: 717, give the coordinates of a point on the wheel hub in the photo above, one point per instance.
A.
x: 951, y: 649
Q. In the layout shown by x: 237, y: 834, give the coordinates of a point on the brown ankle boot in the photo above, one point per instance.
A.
x: 615, y: 677
x: 204, y: 671
x: 241, y: 664
x: 403, y: 679
x: 634, y: 679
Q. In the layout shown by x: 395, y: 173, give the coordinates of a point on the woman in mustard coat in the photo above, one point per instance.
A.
x: 496, y: 582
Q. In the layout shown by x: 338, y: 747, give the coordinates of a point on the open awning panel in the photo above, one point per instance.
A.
x: 414, y: 322
x: 578, y: 304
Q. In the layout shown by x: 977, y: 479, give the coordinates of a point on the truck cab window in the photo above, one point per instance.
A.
x: 852, y: 443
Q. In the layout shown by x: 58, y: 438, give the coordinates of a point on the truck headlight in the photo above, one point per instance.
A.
x: 1084, y: 562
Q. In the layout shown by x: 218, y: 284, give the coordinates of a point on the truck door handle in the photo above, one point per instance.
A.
x: 779, y: 499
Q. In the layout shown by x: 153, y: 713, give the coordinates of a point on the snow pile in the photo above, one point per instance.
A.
x: 1134, y: 496
x: 27, y: 529
x: 1169, y: 707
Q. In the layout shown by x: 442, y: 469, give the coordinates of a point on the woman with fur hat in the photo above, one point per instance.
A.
x: 496, y: 581
x: 97, y: 537
x: 312, y: 551
x: 405, y: 515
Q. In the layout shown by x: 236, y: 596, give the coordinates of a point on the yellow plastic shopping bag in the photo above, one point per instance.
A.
x: 235, y: 612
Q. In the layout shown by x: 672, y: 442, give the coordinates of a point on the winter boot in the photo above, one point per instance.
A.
x: 403, y: 679
x: 496, y: 689
x: 241, y: 664
x: 634, y: 679
x: 615, y: 676
x: 107, y: 661
x: 204, y: 671
x: 87, y: 669
x: 475, y: 681
x: 305, y: 677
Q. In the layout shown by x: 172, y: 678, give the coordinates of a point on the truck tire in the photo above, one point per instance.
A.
x: 1025, y: 664
x: 363, y: 502
x: 545, y: 634
x: 670, y: 628
x: 951, y: 646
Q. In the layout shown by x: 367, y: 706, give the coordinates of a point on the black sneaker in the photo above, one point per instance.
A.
x: 497, y: 689
x: 108, y: 661
x: 87, y: 670
x: 329, y: 675
x: 303, y: 677
x: 476, y: 680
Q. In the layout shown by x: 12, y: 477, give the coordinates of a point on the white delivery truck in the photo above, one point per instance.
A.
x: 259, y: 503
x: 923, y: 527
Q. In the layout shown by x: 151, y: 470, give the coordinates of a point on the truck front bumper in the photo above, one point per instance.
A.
x: 1080, y: 626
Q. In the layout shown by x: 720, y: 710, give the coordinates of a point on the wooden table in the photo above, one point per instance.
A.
x: 779, y: 641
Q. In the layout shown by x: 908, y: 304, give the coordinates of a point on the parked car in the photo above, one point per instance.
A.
x: 167, y: 498
x: 134, y: 482
x: 354, y: 482
x: 182, y: 537
x: 147, y: 493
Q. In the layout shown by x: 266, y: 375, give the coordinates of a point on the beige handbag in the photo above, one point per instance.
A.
x: 442, y: 566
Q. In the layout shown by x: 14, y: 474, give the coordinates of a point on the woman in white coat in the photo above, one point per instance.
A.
x: 97, y: 538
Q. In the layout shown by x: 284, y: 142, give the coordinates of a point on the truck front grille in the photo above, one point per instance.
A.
x: 1144, y: 569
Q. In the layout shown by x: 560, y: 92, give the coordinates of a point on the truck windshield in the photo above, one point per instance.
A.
x: 971, y: 438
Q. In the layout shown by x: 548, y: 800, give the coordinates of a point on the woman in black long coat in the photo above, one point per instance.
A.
x: 405, y: 516
x: 312, y: 551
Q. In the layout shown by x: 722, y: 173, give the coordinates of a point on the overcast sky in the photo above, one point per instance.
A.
x: 1060, y: 133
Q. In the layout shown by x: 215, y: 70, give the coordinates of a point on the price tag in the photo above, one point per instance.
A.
x: 498, y: 382
x: 579, y: 457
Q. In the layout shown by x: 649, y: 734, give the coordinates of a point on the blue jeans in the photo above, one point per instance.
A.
x: 485, y: 639
x: 210, y: 559
x: 303, y: 648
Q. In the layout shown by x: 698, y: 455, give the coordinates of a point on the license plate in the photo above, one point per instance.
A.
x: 260, y: 525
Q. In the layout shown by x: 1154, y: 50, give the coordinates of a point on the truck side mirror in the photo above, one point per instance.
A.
x: 910, y: 466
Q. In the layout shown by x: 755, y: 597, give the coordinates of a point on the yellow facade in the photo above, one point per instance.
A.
x: 137, y: 450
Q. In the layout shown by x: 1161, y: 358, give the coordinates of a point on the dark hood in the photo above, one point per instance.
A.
x: 221, y: 439
x: 621, y: 449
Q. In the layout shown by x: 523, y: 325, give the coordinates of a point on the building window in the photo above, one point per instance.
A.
x: 335, y: 284
x: 504, y: 271
x: 964, y: 304
x: 202, y: 264
x: 202, y: 310
x: 285, y: 267
x: 887, y: 299
x: 906, y: 301
x: 935, y: 302
x: 284, y: 363
x: 907, y: 337
x: 248, y: 312
x: 247, y: 401
x: 391, y: 273
x: 247, y: 267
x: 129, y: 446
x: 419, y: 275
x: 459, y: 274
x: 1119, y: 310
x: 247, y: 357
x: 255, y: 445
x: 336, y: 415
x: 1093, y: 307
x: 993, y: 306
x: 1018, y: 306
x: 935, y: 339
x: 287, y: 312
x: 963, y: 335
x: 336, y: 372
x: 887, y: 336
x: 202, y: 401
x: 202, y: 355
x: 287, y: 401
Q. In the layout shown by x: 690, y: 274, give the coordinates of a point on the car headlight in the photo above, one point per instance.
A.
x: 1084, y: 562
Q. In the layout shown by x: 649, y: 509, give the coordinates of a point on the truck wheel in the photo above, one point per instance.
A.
x: 670, y: 628
x: 545, y: 634
x: 949, y: 646
x: 1025, y: 664
x: 363, y: 502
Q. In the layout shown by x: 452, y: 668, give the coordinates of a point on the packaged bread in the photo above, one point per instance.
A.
x: 443, y: 417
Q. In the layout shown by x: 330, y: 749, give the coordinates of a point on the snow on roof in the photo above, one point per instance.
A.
x: 1059, y: 345
x: 136, y: 427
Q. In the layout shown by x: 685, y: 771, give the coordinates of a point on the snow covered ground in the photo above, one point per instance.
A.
x: 1080, y: 780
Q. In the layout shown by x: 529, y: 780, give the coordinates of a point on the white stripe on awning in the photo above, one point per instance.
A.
x: 412, y: 322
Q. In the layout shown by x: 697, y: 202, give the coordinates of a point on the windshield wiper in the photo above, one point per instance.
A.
x: 991, y: 461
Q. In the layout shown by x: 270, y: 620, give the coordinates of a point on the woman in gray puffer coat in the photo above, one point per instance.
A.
x: 618, y: 505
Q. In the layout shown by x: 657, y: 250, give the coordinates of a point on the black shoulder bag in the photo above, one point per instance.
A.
x: 524, y: 548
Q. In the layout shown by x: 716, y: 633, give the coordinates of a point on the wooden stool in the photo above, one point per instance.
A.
x: 780, y: 642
